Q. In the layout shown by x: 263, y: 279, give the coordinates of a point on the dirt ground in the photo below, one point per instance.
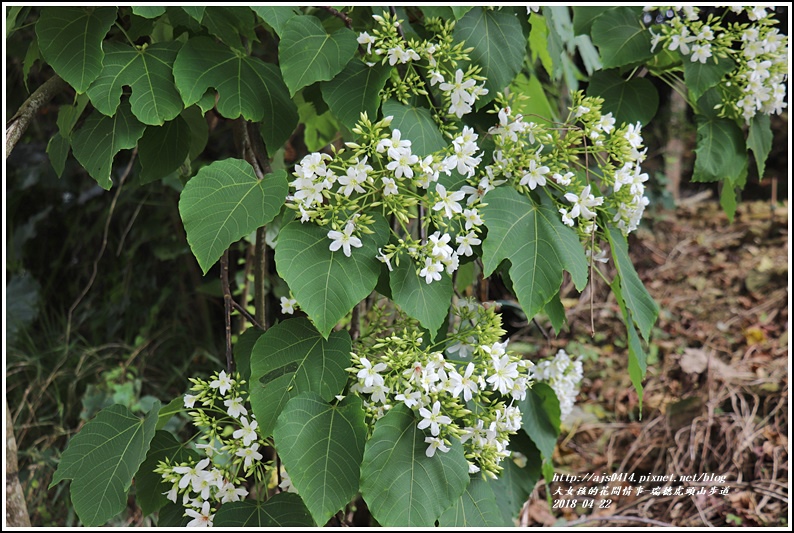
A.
x: 716, y: 390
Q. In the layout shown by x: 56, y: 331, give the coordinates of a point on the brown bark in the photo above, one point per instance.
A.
x: 19, y: 123
x: 16, y: 507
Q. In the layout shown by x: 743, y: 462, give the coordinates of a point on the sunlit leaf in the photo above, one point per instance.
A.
x: 148, y: 12
x: 476, y: 507
x: 417, y: 125
x: 321, y: 447
x: 629, y: 101
x: 426, y: 302
x: 308, y: 54
x: 499, y: 46
x: 70, y: 40
x: 644, y: 309
x: 355, y: 90
x: 224, y: 202
x: 328, y: 284
x: 290, y: 358
x: 102, y: 459
x: 247, y: 86
x: 759, y: 141
x: 276, y: 16
x: 148, y: 72
x: 402, y: 486
x: 620, y: 37
x: 540, y: 412
x: 537, y: 244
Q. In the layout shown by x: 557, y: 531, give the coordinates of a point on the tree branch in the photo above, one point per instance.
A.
x: 227, y: 307
x: 19, y: 123
x: 338, y: 14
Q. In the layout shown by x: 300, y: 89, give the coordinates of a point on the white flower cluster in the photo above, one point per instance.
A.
x: 473, y: 399
x: 432, y: 60
x: 757, y: 83
x: 215, y: 479
x: 563, y: 375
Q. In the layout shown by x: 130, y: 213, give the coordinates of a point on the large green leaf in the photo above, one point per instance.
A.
x: 540, y: 412
x: 416, y: 125
x: 328, y: 284
x: 196, y: 12
x: 537, y: 244
x: 643, y: 308
x: 148, y: 12
x: 583, y: 17
x: 148, y: 72
x: 499, y: 46
x: 620, y: 37
x: 285, y: 509
x: 426, y: 302
x: 759, y: 141
x: 637, y: 357
x: 700, y: 77
x: 150, y: 488
x: 276, y: 16
x: 58, y: 150
x: 721, y: 153
x: 517, y: 480
x: 355, y: 90
x: 102, y: 459
x: 401, y: 485
x: 629, y: 101
x: 290, y: 358
x: 322, y: 447
x: 229, y: 23
x: 308, y: 54
x: 246, y: 86
x: 59, y: 145
x: 242, y: 351
x: 224, y: 202
x: 163, y: 149
x: 476, y: 507
x: 97, y: 142
x: 70, y: 39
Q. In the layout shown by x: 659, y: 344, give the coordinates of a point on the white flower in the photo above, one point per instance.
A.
x: 566, y: 218
x: 401, y: 166
x: 700, y: 53
x: 369, y: 374
x: 535, y: 175
x: 433, y: 418
x: 201, y: 518
x: 171, y: 494
x: 606, y: 123
x: 504, y: 373
x: 448, y: 201
x: 344, y: 239
x: 441, y: 248
x: 563, y: 180
x: 250, y: 454
x: 410, y: 399
x: 389, y: 186
x: 223, y: 383
x: 191, y: 474
x: 235, y: 407
x: 190, y: 400
x: 681, y: 41
x: 394, y: 142
x: 472, y: 218
x: 634, y: 135
x: 464, y: 383
x: 355, y: 176
x: 435, y: 444
x: 286, y: 483
x: 288, y: 305
x: 247, y: 432
x: 366, y: 39
x: 583, y: 203
x: 230, y: 493
x: 436, y: 77
x: 432, y: 270
x: 466, y: 242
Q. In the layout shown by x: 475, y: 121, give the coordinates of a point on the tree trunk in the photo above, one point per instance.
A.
x: 16, y: 508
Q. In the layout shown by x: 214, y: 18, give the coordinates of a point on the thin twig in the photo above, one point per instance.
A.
x: 338, y: 14
x: 246, y: 314
x: 95, y: 266
x: 227, y: 308
x: 617, y: 518
x: 355, y: 322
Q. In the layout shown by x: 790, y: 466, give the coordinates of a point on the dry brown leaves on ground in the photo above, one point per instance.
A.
x: 716, y: 390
